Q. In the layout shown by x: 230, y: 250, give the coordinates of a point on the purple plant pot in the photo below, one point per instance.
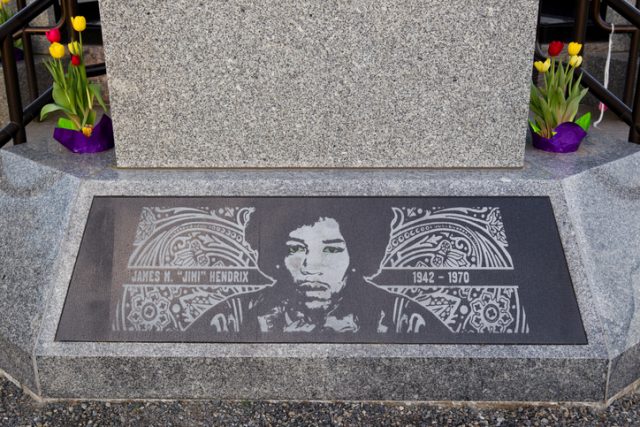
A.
x: 100, y: 140
x: 566, y: 140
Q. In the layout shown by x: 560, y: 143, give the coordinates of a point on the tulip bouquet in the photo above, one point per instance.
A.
x: 75, y: 95
x: 555, y: 105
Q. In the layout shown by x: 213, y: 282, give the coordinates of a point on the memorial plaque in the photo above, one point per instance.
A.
x: 454, y: 270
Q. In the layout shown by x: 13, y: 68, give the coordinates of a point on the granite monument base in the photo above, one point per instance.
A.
x: 46, y: 195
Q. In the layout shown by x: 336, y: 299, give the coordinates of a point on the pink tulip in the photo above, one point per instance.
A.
x: 53, y: 35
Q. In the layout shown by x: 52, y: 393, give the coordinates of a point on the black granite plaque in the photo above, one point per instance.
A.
x: 487, y: 270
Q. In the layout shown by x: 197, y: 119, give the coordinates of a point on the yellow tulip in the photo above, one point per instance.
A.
x: 56, y: 50
x: 574, y: 48
x: 87, y: 130
x: 575, y: 61
x: 6, y: 1
x: 542, y: 67
x: 74, y: 48
x: 79, y: 23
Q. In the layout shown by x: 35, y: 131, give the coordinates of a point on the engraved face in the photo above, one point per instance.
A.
x: 318, y: 260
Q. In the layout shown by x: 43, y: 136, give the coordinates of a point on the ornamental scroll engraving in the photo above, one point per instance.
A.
x: 185, y: 262
x: 422, y: 244
x: 459, y: 238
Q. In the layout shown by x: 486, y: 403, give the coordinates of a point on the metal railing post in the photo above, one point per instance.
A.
x: 632, y: 67
x: 634, y: 134
x: 632, y: 64
x: 27, y: 47
x: 12, y: 84
x: 69, y: 9
x: 581, y: 18
x: 632, y: 76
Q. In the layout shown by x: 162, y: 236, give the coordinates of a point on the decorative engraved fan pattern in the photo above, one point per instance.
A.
x: 458, y: 239
x: 189, y: 240
x: 186, y: 237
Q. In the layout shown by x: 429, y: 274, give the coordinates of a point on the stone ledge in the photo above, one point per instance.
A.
x: 368, y: 372
x: 324, y: 378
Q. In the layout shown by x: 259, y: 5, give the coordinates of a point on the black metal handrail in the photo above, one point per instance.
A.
x: 26, y: 14
x: 18, y: 27
x: 628, y: 109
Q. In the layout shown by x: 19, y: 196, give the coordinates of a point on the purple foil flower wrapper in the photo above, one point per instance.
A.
x: 566, y: 140
x: 100, y: 140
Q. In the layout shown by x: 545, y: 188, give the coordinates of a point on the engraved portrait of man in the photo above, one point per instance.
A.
x: 317, y: 260
x: 322, y: 256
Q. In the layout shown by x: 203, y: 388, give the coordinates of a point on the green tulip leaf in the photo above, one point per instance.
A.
x: 92, y: 118
x: 66, y: 124
x: 95, y: 89
x: 50, y: 108
x: 60, y: 97
x: 584, y: 122
x: 571, y: 111
x: 535, y: 127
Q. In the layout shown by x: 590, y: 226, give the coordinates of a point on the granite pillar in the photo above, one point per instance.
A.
x: 319, y: 84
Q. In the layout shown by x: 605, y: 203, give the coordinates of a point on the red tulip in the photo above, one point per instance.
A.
x: 53, y: 35
x: 555, y: 48
x: 75, y: 60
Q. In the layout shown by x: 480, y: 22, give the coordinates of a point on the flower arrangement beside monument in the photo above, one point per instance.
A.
x: 555, y: 105
x: 75, y: 96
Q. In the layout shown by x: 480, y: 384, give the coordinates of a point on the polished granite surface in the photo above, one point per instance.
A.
x: 319, y: 84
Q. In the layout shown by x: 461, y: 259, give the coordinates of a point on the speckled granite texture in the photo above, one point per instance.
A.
x: 293, y: 83
x: 34, y: 205
x: 605, y: 202
x: 595, y: 202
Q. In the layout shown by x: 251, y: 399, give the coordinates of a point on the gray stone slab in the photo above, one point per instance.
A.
x: 624, y: 370
x: 604, y: 202
x: 326, y: 377
x: 584, y: 189
x: 596, y: 150
x: 317, y: 84
x: 54, y: 156
x: 19, y: 362
x: 56, y: 355
x: 35, y: 202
